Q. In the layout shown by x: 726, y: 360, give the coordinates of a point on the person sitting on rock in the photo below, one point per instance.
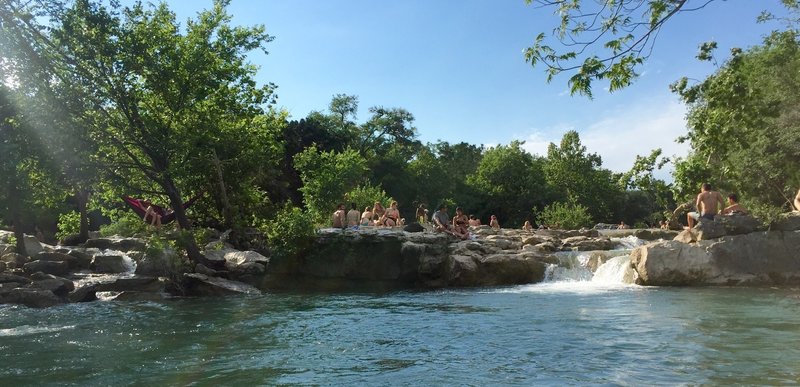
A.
x: 473, y: 221
x: 441, y: 220
x: 377, y: 213
x: 494, y: 223
x: 460, y: 224
x: 366, y: 217
x: 339, y: 217
x: 353, y: 216
x: 734, y: 208
x: 706, y: 203
x: 392, y: 216
x: 527, y: 226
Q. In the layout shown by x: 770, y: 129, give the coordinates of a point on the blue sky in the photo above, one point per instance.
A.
x: 458, y: 67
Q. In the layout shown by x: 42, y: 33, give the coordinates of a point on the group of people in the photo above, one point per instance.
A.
x: 376, y: 215
x: 709, y: 203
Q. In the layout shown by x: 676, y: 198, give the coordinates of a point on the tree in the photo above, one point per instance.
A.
x: 511, y: 182
x: 743, y: 122
x: 607, y: 40
x: 573, y: 173
x: 162, y: 97
x: 326, y: 177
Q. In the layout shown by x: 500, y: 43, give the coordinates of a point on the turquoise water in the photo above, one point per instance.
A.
x: 548, y: 334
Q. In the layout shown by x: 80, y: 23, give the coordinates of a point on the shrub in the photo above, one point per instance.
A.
x: 366, y: 195
x: 69, y: 223
x: 569, y: 216
x: 127, y: 225
x: 291, y: 233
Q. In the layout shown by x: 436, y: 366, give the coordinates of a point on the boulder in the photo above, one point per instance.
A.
x: 463, y: 271
x: 686, y: 236
x: 108, y: 264
x: 136, y: 284
x: 116, y: 243
x: 59, y: 286
x: 11, y: 278
x: 534, y: 240
x: 247, y: 268
x: 34, y: 298
x: 709, y: 229
x: 413, y: 227
x: 203, y: 269
x: 202, y: 285
x: 738, y: 224
x: 72, y: 262
x: 672, y: 263
x: 653, y: 235
x: 15, y: 260
x: 583, y: 243
x: 83, y: 257
x: 58, y: 268
x: 789, y: 221
x: 507, y: 269
x: 86, y: 293
x: 32, y: 245
x: 2, y: 266
x: 157, y: 263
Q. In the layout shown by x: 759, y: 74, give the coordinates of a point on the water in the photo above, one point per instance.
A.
x: 596, y: 331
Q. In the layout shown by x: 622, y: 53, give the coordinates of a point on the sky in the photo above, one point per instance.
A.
x: 458, y: 67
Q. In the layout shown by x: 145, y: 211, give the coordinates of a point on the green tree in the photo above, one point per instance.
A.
x: 511, y: 182
x: 743, y: 122
x: 326, y: 177
x: 565, y: 215
x: 607, y: 40
x: 163, y: 96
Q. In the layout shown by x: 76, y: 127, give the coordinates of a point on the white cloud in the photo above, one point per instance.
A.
x: 623, y: 134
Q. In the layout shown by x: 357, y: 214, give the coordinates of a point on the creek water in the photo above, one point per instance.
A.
x: 571, y: 329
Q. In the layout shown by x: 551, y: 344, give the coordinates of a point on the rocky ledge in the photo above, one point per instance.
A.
x: 731, y: 250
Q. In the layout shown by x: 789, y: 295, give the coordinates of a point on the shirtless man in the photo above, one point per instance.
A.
x: 706, y: 202
x: 733, y: 206
x: 339, y: 217
x: 353, y: 216
x: 797, y: 202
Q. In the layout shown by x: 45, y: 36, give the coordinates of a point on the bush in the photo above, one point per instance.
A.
x: 69, y: 223
x: 291, y: 233
x: 366, y: 195
x: 569, y: 216
x: 127, y: 225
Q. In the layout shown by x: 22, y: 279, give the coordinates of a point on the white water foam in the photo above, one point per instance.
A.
x: 25, y: 330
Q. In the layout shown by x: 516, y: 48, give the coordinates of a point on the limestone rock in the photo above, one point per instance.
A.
x: 117, y: 243
x: 2, y: 266
x: 32, y: 245
x: 672, y: 263
x: 706, y: 230
x: 136, y: 284
x: 156, y: 264
x: 11, y: 278
x: 583, y: 243
x: 59, y: 286
x: 789, y: 221
x: 413, y: 227
x: 738, y: 224
x: 58, y: 268
x: 686, y: 236
x: 463, y: 271
x: 86, y: 293
x: 34, y: 298
x: 203, y: 269
x: 653, y: 235
x: 108, y: 264
x: 72, y: 262
x: 203, y: 285
x: 15, y: 260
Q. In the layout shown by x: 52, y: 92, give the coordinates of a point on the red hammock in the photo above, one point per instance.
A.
x: 139, y: 206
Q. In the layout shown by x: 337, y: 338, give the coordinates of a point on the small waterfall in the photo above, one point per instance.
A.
x: 616, y: 270
x: 595, y: 268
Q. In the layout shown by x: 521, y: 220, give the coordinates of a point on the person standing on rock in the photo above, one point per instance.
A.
x: 708, y: 203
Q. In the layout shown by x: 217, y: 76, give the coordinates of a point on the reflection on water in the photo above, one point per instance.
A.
x: 557, y: 333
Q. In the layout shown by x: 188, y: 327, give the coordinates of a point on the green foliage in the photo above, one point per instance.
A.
x: 568, y: 216
x: 326, y: 177
x: 127, y: 225
x: 69, y: 223
x: 366, y: 195
x: 744, y: 130
x: 291, y: 233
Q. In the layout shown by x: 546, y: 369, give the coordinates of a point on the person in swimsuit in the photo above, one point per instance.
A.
x: 707, y: 203
x: 494, y: 223
x: 366, y: 217
x: 473, y: 221
x: 734, y: 208
x: 527, y: 226
x: 339, y: 217
x: 353, y: 216
x: 460, y: 224
x: 377, y: 213
x: 392, y: 216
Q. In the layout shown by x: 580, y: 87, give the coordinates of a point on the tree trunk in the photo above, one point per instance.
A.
x: 83, y: 199
x: 176, y: 202
x: 227, y: 212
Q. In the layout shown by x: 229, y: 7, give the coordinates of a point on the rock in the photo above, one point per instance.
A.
x: 2, y: 266
x: 413, y: 227
x: 58, y: 268
x: 117, y: 243
x: 129, y: 295
x: 686, y: 236
x: 32, y: 245
x: 463, y: 271
x: 672, y: 263
x: 59, y: 286
x: 86, y: 293
x: 15, y: 260
x: 705, y: 230
x: 203, y: 269
x: 789, y: 221
x: 11, y: 278
x: 506, y: 269
x: 108, y: 264
x: 72, y: 262
x: 34, y: 298
x: 759, y: 258
x: 136, y: 284
x: 583, y: 243
x: 160, y: 263
x: 738, y: 224
x: 547, y: 246
x: 534, y: 240
x: 653, y: 235
x: 83, y: 257
x: 203, y: 285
